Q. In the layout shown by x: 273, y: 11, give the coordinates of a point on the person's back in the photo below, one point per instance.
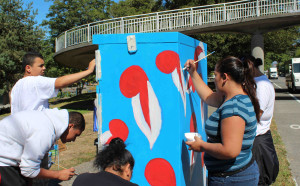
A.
x: 32, y: 93
x: 26, y: 136
x: 266, y: 96
x: 102, y: 178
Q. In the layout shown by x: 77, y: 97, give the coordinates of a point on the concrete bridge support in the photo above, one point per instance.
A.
x: 257, y: 48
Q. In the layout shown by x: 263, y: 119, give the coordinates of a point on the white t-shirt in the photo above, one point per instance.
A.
x: 26, y: 137
x: 32, y: 93
x: 266, y: 97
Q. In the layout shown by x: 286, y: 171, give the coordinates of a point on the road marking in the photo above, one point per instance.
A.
x: 295, y: 126
x: 288, y: 93
x: 277, y: 85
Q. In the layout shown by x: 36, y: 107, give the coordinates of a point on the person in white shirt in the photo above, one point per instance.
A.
x: 33, y: 90
x: 26, y: 137
x: 263, y: 146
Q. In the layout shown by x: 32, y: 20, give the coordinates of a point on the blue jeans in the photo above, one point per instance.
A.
x: 247, y: 177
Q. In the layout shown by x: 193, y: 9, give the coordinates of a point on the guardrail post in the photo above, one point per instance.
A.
x: 56, y: 44
x: 224, y: 12
x: 257, y: 8
x: 65, y: 39
x: 192, y: 17
x: 157, y: 22
x: 122, y: 25
x: 295, y: 5
x: 88, y: 40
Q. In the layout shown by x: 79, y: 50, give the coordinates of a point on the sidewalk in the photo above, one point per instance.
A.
x: 80, y: 169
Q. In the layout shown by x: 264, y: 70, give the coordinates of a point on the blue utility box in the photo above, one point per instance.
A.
x: 146, y: 98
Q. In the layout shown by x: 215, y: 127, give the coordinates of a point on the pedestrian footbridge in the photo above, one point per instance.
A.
x: 74, y: 47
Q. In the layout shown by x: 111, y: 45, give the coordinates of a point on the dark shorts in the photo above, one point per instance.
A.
x: 11, y: 176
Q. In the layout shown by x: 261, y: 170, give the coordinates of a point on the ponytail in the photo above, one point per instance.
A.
x: 249, y: 86
x: 114, y: 155
x: 242, y: 73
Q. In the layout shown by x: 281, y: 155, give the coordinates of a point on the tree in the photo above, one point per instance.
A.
x: 176, y: 4
x: 67, y: 14
x: 18, y: 35
x: 280, y: 47
x: 225, y: 44
x: 131, y: 7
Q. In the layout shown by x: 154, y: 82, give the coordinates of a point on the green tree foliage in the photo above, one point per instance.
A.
x: 176, y: 4
x: 225, y: 44
x: 131, y: 7
x: 280, y: 47
x: 297, y: 52
x: 17, y: 36
x: 67, y: 14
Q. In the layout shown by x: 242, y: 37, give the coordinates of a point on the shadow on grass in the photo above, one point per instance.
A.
x: 80, y: 105
x: 86, y: 96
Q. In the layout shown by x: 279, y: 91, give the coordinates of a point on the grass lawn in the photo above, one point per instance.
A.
x: 83, y: 149
x: 284, y: 176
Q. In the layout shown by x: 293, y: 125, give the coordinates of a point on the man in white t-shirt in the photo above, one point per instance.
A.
x: 266, y: 96
x: 26, y: 137
x: 263, y: 147
x: 33, y: 90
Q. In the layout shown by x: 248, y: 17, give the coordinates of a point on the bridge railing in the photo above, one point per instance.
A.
x: 176, y: 19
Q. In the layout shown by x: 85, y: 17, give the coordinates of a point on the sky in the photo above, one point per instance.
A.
x: 41, y: 6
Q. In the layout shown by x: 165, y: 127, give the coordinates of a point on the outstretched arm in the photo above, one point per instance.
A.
x: 67, y: 80
x: 211, y: 98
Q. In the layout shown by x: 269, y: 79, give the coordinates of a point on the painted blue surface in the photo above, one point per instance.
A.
x: 169, y: 145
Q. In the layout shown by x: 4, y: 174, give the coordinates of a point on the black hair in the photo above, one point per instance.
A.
x: 256, y: 61
x: 242, y: 73
x: 77, y: 119
x: 114, y: 155
x: 29, y: 57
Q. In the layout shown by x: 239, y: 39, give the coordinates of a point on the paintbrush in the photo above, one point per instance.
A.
x: 200, y: 59
x: 65, y: 168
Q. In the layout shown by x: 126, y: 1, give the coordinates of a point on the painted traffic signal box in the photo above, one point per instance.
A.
x: 146, y: 98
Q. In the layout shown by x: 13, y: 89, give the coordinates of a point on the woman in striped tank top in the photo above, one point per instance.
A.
x: 231, y: 129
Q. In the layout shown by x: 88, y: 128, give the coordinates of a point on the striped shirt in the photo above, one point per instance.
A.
x: 239, y: 105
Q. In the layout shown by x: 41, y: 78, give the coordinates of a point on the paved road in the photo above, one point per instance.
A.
x: 287, y: 118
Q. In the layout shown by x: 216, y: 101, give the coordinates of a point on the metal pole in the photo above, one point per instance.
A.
x: 122, y: 25
x: 56, y: 44
x: 65, y: 39
x: 89, y: 33
x: 157, y: 22
x: 224, y: 12
x: 257, y: 8
x: 192, y: 17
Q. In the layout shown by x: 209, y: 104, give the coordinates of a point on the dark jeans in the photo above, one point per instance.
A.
x: 11, y: 176
x: 247, y: 177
